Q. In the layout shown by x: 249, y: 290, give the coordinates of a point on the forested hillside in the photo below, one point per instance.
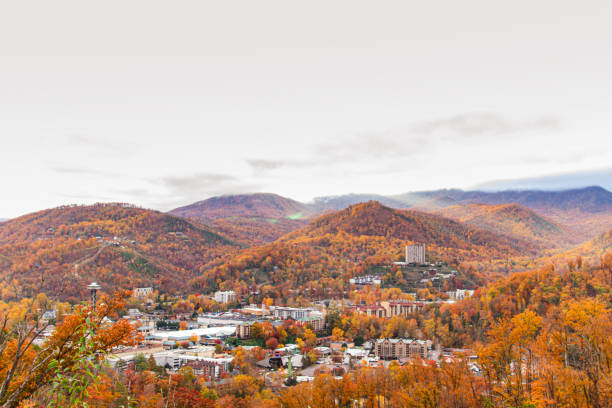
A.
x: 542, y: 339
x: 251, y: 219
x: 322, y: 255
x: 542, y: 291
x: 515, y: 221
x: 254, y: 231
x: 60, y: 250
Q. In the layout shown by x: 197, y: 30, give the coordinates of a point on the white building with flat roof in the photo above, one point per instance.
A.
x: 183, y: 335
x: 228, y: 296
x: 366, y: 280
x: 285, y: 313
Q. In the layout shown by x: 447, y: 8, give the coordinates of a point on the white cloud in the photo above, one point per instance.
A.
x: 328, y: 98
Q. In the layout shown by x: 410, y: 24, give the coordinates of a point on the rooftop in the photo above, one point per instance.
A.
x: 187, y: 334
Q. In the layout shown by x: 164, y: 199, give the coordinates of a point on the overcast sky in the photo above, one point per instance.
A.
x: 164, y: 103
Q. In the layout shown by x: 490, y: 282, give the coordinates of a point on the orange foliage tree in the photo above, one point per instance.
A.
x: 29, y: 363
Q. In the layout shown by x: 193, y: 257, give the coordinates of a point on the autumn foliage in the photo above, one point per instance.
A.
x: 28, y: 366
x: 320, y: 257
x: 118, y: 245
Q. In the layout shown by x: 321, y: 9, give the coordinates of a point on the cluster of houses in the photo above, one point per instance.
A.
x: 340, y: 357
x: 312, y: 317
x: 366, y: 280
x: 201, y: 343
x: 201, y: 340
x: 203, y: 360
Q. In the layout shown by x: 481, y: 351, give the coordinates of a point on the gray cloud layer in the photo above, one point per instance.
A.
x: 601, y: 178
x: 186, y: 189
x: 475, y: 125
x: 81, y: 171
x: 413, y: 140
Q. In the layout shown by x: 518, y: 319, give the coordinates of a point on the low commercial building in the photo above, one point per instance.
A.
x: 142, y: 293
x: 168, y: 359
x: 275, y: 362
x: 253, y: 310
x: 324, y: 351
x: 316, y: 320
x: 199, y: 334
x: 210, y: 368
x: 400, y: 308
x: 460, y: 294
x: 201, y: 351
x: 390, y: 308
x: 223, y: 319
x: 371, y: 310
x: 145, y: 330
x: 366, y: 280
x: 354, y: 355
x: 392, y: 349
x: 284, y: 313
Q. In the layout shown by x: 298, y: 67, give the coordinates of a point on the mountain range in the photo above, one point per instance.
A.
x: 553, y: 182
x: 266, y: 239
x: 513, y: 220
x: 581, y: 213
x: 341, y: 244
x: 589, y: 199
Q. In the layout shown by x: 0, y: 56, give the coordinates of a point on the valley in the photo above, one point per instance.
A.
x: 285, y: 299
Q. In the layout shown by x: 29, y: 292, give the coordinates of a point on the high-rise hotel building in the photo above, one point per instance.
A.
x: 415, y: 253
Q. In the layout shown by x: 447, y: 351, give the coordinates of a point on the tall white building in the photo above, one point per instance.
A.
x: 228, y: 296
x: 415, y: 253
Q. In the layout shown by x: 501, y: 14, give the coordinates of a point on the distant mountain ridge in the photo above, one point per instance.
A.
x: 262, y: 217
x: 258, y: 205
x: 589, y: 199
x: 336, y: 203
x: 250, y: 219
x: 553, y: 182
x: 512, y: 220
x: 587, y: 211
